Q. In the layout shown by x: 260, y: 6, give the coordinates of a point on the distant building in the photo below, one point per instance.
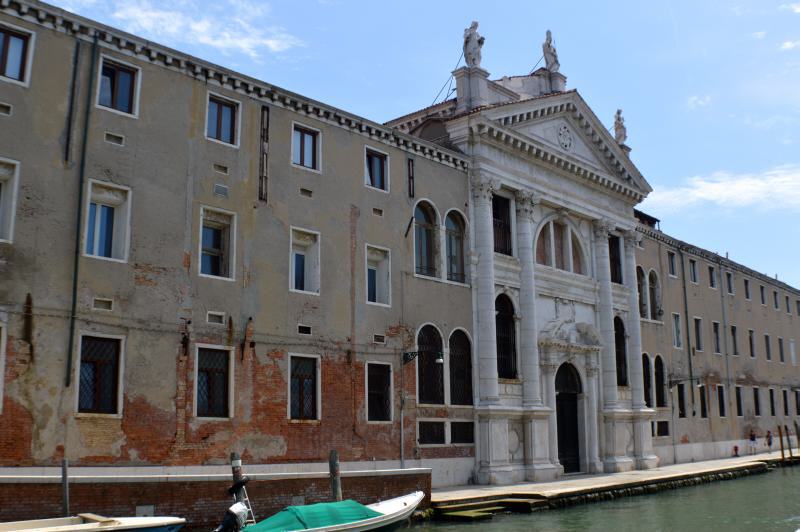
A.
x: 194, y: 262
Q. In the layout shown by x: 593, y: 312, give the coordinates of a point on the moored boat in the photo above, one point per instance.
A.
x: 90, y: 522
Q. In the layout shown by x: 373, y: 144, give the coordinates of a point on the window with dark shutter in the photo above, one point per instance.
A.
x: 379, y: 398
x: 462, y: 432
x: 431, y: 432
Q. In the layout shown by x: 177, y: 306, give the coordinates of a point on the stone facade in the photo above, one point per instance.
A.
x: 486, y: 250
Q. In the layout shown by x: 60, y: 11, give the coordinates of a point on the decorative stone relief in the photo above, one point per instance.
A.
x: 565, y: 137
x: 602, y: 227
x: 550, y: 54
x: 620, y: 131
x: 526, y: 202
x: 473, y: 42
x: 483, y: 187
x: 632, y: 238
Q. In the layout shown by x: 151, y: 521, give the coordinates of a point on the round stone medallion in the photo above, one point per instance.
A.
x: 565, y: 137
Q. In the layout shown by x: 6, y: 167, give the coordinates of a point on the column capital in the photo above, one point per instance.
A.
x: 526, y: 200
x: 632, y: 238
x: 482, y: 186
x: 602, y: 227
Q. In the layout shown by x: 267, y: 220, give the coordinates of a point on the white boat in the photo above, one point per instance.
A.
x: 83, y: 522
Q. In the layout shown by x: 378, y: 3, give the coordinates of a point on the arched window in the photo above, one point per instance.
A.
x: 654, y: 291
x: 506, y: 338
x: 425, y: 235
x: 621, y: 351
x: 661, y: 396
x: 454, y: 225
x: 460, y: 369
x: 430, y: 374
x: 640, y: 284
x: 559, y: 246
x: 648, y: 392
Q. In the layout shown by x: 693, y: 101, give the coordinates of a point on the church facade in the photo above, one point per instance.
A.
x: 229, y: 266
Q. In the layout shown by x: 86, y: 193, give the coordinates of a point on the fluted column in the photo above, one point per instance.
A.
x: 605, y: 305
x: 529, y: 339
x: 482, y: 189
x: 633, y: 325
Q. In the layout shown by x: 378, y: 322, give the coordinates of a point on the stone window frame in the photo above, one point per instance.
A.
x: 237, y: 117
x: 677, y: 331
x: 573, y: 236
x: 738, y: 400
x: 318, y: 369
x: 317, y: 169
x: 137, y: 85
x: 386, y: 165
x: 27, y: 67
x: 124, y: 210
x: 444, y: 421
x: 455, y: 213
x: 436, y: 224
x: 391, y: 419
x: 716, y: 337
x: 309, y: 269
x: 8, y: 207
x: 730, y: 283
x: 231, y: 380
x: 747, y: 293
x: 751, y: 343
x: 694, y: 274
x: 120, y: 373
x: 231, y: 246
x: 672, y: 269
x: 722, y: 401
x: 699, y: 344
x: 712, y: 277
x: 388, y: 258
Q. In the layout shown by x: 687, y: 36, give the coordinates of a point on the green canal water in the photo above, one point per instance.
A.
x: 765, y: 502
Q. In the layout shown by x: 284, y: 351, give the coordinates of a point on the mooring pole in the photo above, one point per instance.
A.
x: 789, y: 442
x: 236, y: 471
x: 65, y: 487
x: 336, y: 480
x: 780, y: 439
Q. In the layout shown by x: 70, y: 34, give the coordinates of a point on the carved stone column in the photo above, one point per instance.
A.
x: 594, y: 465
x: 633, y: 326
x: 605, y: 307
x: 482, y: 189
x: 529, y: 338
x: 549, y: 369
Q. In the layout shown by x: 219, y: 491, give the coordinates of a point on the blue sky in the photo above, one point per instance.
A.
x: 710, y: 90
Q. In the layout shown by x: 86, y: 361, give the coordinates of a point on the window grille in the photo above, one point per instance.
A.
x: 506, y: 338
x: 462, y: 432
x: 379, y: 386
x: 212, y: 383
x: 99, y: 375
x: 501, y: 212
x: 430, y: 372
x: 304, y: 388
x: 431, y: 432
x: 460, y: 369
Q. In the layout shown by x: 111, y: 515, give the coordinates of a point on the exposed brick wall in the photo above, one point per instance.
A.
x: 202, y: 504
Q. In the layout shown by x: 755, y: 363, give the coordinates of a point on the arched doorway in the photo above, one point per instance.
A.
x: 568, y: 387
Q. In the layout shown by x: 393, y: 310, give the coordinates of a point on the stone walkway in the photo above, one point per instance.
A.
x: 592, y: 483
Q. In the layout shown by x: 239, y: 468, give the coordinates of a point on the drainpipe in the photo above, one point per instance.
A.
x: 689, y: 348
x: 723, y: 290
x: 79, y: 216
x: 71, y: 110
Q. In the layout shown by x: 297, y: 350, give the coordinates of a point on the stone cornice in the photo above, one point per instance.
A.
x: 85, y: 29
x: 485, y: 127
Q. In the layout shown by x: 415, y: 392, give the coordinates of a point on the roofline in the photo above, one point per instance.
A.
x: 57, y: 19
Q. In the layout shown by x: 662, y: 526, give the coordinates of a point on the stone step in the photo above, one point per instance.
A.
x: 509, y: 504
x: 469, y: 515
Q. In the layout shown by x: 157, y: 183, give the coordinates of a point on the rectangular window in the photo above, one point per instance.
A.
x: 681, y: 400
x: 797, y: 402
x: 788, y: 306
x: 739, y: 408
x: 379, y: 392
x: 213, y: 381
x: 698, y: 334
x: 217, y: 243
x: 772, y: 402
x: 751, y: 340
x: 703, y: 406
x: 747, y: 289
x: 712, y: 277
x: 13, y: 54
x: 305, y: 261
x: 734, y: 340
x: 729, y: 282
x: 785, y: 402
x: 378, y: 276
x: 671, y: 263
x: 221, y: 120
x: 798, y: 307
x: 793, y: 353
x: 501, y: 219
x: 715, y: 336
x: 763, y: 292
x: 304, y: 147
x: 693, y: 270
x: 431, y: 432
x: 756, y: 402
x: 662, y: 428
x: 775, y: 299
x: 721, y: 400
x: 117, y: 87
x: 781, y: 355
x: 767, y: 347
x: 615, y: 257
x: 107, y: 217
x: 8, y: 198
x: 377, y: 170
x: 99, y: 375
x: 410, y: 163
x: 462, y: 432
x: 303, y: 387
x: 677, y: 339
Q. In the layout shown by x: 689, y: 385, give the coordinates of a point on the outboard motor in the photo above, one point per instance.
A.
x: 234, y: 518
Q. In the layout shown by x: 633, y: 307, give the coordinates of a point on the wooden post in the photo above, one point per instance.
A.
x: 236, y: 471
x: 336, y: 481
x: 780, y: 439
x: 65, y: 487
x: 789, y: 443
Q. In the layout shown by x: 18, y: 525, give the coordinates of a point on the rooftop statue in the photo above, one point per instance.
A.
x: 620, y: 131
x: 550, y: 54
x: 473, y: 42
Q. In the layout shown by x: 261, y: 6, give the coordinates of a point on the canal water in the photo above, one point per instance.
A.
x: 758, y: 503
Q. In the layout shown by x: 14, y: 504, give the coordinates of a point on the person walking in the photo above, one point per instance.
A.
x: 769, y: 440
x: 752, y: 443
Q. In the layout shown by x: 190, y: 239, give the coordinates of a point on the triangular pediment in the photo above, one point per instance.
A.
x: 561, y: 134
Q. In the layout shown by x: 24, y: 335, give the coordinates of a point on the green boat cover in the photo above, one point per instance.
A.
x: 314, y: 516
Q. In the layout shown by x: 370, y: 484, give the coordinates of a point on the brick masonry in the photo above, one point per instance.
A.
x: 201, y: 503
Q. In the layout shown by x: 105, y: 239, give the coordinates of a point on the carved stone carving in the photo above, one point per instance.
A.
x: 483, y: 187
x: 632, y: 237
x: 526, y: 201
x: 550, y: 55
x: 473, y: 42
x: 620, y: 131
x: 602, y: 227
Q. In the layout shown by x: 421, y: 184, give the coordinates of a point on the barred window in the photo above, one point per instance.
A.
x: 460, y: 369
x: 379, y: 392
x: 212, y: 382
x: 429, y: 372
x: 506, y: 338
x: 462, y: 432
x: 99, y: 375
x: 304, y: 388
x: 431, y: 432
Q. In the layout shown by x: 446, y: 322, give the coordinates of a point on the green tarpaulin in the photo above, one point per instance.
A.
x: 314, y: 516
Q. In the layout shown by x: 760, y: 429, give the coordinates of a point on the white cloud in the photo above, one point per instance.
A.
x: 789, y: 45
x: 759, y: 34
x: 695, y: 101
x: 232, y: 28
x: 792, y: 7
x: 778, y: 187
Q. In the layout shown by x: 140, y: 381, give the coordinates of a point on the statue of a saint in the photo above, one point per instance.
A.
x: 473, y: 43
x: 620, y: 131
x: 550, y: 54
